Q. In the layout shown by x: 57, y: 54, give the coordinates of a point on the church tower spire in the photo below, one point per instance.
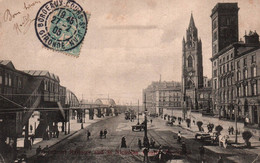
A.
x: 192, y: 24
x: 191, y: 33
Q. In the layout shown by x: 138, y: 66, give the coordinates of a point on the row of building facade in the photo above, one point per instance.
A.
x: 24, y: 93
x: 234, y: 87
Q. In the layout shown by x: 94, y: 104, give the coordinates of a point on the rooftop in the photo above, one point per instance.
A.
x: 42, y: 73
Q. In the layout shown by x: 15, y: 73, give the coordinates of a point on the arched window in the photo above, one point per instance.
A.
x: 190, y: 61
x: 245, y: 74
x: 253, y: 71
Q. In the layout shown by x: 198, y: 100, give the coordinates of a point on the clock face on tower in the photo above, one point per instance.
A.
x: 190, y: 73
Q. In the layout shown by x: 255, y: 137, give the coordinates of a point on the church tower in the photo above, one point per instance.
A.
x: 192, y: 69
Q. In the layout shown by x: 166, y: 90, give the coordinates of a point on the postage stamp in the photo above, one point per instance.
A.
x: 61, y: 25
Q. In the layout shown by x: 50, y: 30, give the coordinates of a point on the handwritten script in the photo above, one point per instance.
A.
x: 20, y: 19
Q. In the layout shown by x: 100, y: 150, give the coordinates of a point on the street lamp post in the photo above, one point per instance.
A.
x: 146, y: 141
x: 236, y: 109
x: 138, y: 114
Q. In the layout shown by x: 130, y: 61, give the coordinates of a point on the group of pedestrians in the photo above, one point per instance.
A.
x: 103, y: 133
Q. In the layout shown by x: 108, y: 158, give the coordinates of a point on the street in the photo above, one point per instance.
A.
x: 78, y: 149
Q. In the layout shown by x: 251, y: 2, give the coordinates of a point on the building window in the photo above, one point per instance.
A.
x: 224, y: 96
x: 245, y: 62
x: 238, y: 75
x: 227, y: 57
x: 232, y: 66
x: 19, y: 83
x: 220, y: 70
x: 227, y: 95
x: 232, y: 92
x: 219, y: 60
x: 220, y: 96
x: 10, y: 80
x: 190, y: 61
x: 214, y: 49
x: 245, y: 74
x: 223, y: 59
x: 253, y: 59
x: 214, y: 24
x: 245, y: 90
x: 1, y: 78
x: 215, y: 36
x: 214, y: 63
x: 215, y: 83
x: 238, y: 64
x: 6, y: 78
x: 238, y: 91
x: 231, y: 55
x: 45, y: 85
x: 215, y: 73
x: 253, y: 71
x: 254, y: 89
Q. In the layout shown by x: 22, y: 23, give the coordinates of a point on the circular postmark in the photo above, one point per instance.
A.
x: 61, y: 24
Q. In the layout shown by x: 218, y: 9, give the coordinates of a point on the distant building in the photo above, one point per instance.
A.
x: 235, y: 70
x: 162, y: 95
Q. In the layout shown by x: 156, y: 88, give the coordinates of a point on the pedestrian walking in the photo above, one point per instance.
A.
x: 139, y: 143
x: 57, y: 133
x: 152, y: 142
x: 160, y: 153
x: 46, y: 149
x: 88, y: 134
x: 123, y: 142
x: 38, y: 150
x: 32, y: 139
x: 31, y: 128
x: 179, y: 137
x: 105, y: 133
x: 151, y: 121
x: 145, y: 152
x: 232, y: 130
x: 183, y: 148
x: 101, y: 134
x: 229, y: 130
x: 202, y: 152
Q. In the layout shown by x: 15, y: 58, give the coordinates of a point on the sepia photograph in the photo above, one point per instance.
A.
x: 129, y: 81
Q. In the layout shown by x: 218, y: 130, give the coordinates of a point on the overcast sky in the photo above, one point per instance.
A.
x: 128, y: 44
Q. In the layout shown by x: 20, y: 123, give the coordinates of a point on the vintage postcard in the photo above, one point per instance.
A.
x: 129, y: 81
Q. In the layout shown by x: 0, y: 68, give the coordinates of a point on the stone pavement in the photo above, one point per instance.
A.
x: 75, y: 128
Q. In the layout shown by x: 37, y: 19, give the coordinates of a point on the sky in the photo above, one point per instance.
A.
x: 128, y: 44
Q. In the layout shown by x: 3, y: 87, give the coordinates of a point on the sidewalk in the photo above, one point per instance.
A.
x: 225, y: 124
x: 255, y: 143
x: 74, y: 128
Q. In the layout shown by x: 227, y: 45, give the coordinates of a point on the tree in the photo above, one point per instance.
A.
x: 188, y: 122
x: 199, y: 124
x: 246, y: 136
x: 219, y: 128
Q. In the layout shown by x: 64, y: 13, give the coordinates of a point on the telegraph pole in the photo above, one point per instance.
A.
x: 146, y: 141
x: 138, y: 114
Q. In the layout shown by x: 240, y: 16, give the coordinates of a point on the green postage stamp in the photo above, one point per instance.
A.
x: 61, y: 25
